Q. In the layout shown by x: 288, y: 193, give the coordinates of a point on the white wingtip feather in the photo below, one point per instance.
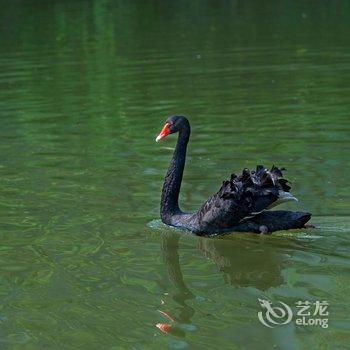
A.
x: 283, y: 197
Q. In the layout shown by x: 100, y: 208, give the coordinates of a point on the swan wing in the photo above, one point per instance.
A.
x: 243, y: 196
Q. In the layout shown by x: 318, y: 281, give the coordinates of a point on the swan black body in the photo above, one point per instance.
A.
x: 241, y: 203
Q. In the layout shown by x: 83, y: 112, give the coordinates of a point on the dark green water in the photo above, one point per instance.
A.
x: 85, y: 86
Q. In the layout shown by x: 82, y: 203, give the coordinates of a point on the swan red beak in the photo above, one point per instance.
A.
x: 164, y: 132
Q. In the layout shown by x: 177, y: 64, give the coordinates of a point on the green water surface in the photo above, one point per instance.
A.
x: 85, y: 86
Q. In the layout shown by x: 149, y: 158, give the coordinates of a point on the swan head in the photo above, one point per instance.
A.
x: 173, y: 124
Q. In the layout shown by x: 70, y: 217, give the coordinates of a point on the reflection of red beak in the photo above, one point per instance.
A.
x: 164, y: 327
x: 164, y: 133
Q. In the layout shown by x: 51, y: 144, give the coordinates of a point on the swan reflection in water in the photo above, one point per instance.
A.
x: 242, y: 265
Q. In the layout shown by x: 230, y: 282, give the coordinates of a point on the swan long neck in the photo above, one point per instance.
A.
x: 172, y: 182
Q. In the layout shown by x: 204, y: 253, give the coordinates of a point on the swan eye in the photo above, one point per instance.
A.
x: 164, y: 132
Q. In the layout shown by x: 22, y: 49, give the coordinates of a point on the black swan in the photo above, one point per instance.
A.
x: 240, y: 205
